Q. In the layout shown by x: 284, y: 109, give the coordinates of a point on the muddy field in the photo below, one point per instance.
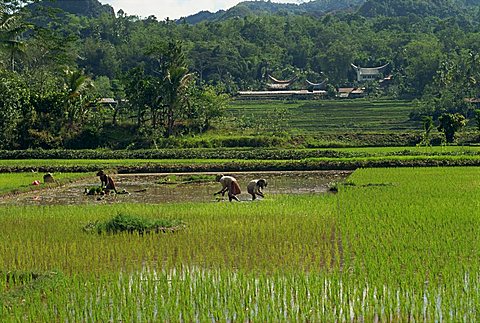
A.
x: 149, y: 188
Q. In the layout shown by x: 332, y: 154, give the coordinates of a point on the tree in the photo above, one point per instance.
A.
x: 136, y: 84
x: 14, y: 96
x: 206, y: 104
x: 78, y: 87
x: 428, y: 125
x: 10, y: 30
x: 477, y: 119
x: 175, y: 85
x: 422, y: 59
x: 176, y: 79
x: 450, y: 124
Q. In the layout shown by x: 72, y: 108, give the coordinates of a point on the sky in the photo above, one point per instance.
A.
x: 173, y: 9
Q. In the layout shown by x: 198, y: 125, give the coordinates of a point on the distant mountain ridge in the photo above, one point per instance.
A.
x: 422, y: 8
x: 366, y: 8
x: 248, y: 8
x: 86, y: 8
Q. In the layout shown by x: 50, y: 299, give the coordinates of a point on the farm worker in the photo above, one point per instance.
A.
x: 48, y: 178
x: 230, y: 185
x: 255, y: 187
x: 107, y: 182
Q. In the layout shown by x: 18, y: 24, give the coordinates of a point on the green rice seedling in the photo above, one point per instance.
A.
x: 402, y: 252
x: 198, y: 294
x: 187, y: 179
x: 96, y: 190
x: 169, y: 179
x: 18, y: 285
x: 133, y: 224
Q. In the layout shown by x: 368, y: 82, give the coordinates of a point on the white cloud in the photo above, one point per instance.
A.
x: 173, y: 9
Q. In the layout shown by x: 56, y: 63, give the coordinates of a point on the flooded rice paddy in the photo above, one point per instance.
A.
x: 151, y: 188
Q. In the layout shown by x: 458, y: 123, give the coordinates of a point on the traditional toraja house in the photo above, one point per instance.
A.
x: 280, y: 95
x: 369, y: 73
x: 280, y: 89
x: 281, y: 85
x: 317, y: 86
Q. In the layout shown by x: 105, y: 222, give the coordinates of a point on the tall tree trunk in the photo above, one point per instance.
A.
x: 170, y: 121
x: 115, y: 113
x: 12, y: 61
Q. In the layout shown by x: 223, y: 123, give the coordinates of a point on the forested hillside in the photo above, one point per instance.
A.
x: 173, y: 74
x: 259, y: 8
x: 88, y: 8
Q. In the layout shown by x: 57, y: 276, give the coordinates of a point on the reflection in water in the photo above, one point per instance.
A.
x: 143, y: 188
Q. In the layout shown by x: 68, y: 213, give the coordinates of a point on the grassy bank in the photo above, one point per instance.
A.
x: 22, y: 182
x: 301, y: 124
x: 391, y: 245
x: 239, y: 153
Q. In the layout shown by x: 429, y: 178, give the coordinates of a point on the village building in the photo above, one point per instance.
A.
x: 344, y: 92
x: 350, y: 92
x: 279, y: 85
x: 365, y: 74
x: 281, y: 95
x: 281, y: 89
x: 322, y: 86
x: 474, y: 101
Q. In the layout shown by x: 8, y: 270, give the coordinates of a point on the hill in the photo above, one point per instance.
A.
x: 422, y: 8
x: 366, y: 8
x: 86, y: 8
x: 256, y: 8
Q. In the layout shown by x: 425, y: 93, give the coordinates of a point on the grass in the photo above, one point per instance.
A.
x: 394, y: 245
x: 19, y: 182
x: 345, y: 159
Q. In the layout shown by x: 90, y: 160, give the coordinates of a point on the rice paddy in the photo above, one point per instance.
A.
x: 391, y: 245
x: 173, y: 188
x: 329, y: 115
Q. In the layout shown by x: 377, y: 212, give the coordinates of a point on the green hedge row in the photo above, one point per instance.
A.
x: 244, y: 154
x: 236, y: 154
x: 235, y: 166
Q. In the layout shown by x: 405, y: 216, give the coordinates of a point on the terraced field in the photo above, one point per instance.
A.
x: 332, y: 115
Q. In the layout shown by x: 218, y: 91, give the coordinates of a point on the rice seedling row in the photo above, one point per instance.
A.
x: 391, y: 245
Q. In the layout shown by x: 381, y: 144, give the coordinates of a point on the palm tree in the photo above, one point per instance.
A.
x: 77, y: 84
x: 4, y: 17
x: 175, y: 85
x: 175, y: 82
x: 11, y: 30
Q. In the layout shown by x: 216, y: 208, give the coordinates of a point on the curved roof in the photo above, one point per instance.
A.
x: 276, y: 81
x: 317, y: 84
x: 369, y: 70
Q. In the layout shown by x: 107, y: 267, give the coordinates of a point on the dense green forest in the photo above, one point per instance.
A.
x: 173, y: 78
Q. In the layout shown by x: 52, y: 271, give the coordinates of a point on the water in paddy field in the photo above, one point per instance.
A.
x: 146, y: 188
